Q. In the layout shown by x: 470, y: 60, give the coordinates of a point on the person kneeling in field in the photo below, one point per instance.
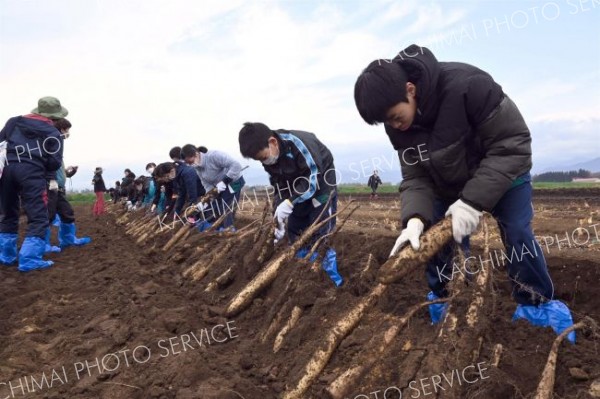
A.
x: 474, y: 155
x: 222, y: 173
x: 302, y: 172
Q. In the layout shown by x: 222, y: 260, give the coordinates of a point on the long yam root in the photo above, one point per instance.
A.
x: 408, y: 259
x: 335, y: 335
x: 266, y: 276
x: 545, y: 388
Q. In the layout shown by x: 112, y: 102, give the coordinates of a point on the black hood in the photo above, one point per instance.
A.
x: 423, y: 69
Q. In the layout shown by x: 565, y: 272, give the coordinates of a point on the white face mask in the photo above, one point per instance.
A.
x: 271, y: 160
x: 150, y: 170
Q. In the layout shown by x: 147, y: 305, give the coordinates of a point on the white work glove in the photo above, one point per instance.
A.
x: 283, y: 211
x: 201, y: 206
x: 53, y: 185
x: 221, y: 187
x: 279, y: 234
x: 412, y: 233
x: 465, y: 219
x: 129, y: 205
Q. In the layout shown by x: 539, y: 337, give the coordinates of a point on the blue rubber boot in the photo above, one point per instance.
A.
x: 437, y: 311
x: 67, y: 238
x: 30, y: 255
x: 329, y: 264
x: 302, y: 252
x: 56, y: 221
x: 554, y: 314
x: 203, y: 226
x: 49, y: 247
x: 8, y: 248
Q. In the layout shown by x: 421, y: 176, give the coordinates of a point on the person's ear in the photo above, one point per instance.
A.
x: 411, y: 89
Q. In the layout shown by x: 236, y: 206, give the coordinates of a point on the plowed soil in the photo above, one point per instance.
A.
x: 121, y: 319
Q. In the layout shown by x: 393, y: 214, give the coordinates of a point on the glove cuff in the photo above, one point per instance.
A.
x: 471, y: 204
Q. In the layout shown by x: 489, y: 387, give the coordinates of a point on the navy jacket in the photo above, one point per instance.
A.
x: 34, y: 142
x: 188, y: 185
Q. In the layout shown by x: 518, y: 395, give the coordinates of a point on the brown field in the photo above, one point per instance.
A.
x: 112, y: 299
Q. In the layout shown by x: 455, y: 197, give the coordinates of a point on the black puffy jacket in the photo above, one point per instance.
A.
x: 473, y: 141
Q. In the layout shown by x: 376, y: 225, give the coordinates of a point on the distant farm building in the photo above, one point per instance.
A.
x: 586, y: 180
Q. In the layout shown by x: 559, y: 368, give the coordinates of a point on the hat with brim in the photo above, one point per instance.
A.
x: 50, y: 108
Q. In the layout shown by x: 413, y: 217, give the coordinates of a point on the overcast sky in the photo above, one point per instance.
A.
x: 140, y: 77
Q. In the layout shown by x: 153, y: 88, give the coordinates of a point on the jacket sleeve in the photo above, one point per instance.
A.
x: 156, y: 199
x: 181, y: 194
x: 416, y: 192
x: 191, y: 183
x: 506, y: 141
x: 306, y: 184
x: 8, y: 128
x: 53, y: 149
x: 233, y: 169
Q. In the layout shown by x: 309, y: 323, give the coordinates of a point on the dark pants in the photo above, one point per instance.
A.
x: 523, y: 258
x: 28, y: 182
x: 58, y: 203
x: 226, y: 201
x: 305, y: 214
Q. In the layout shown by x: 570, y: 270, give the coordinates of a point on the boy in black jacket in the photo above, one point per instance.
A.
x: 302, y: 172
x: 474, y: 155
x: 34, y: 148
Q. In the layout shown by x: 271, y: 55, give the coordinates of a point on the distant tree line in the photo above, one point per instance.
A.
x: 562, y: 176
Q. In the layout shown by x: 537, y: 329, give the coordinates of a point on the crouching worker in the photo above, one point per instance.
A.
x: 221, y: 173
x: 302, y: 172
x: 184, y: 177
x: 58, y: 203
x: 33, y: 148
x: 464, y: 148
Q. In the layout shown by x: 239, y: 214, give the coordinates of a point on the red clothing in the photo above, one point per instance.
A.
x: 39, y: 118
x: 99, y: 204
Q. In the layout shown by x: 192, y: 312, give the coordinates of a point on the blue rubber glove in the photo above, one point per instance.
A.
x: 554, y: 314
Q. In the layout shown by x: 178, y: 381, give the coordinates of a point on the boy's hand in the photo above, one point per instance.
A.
x: 283, y: 211
x: 465, y: 219
x: 412, y: 233
x: 279, y: 234
x: 53, y: 185
x: 221, y: 186
x: 201, y: 206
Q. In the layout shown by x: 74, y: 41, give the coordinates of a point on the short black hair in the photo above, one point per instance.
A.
x: 378, y: 88
x: 62, y: 124
x: 188, y: 150
x: 151, y: 165
x: 202, y: 149
x: 254, y: 137
x: 163, y: 169
x: 175, y: 153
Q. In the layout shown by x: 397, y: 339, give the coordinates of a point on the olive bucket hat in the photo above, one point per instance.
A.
x: 50, y: 108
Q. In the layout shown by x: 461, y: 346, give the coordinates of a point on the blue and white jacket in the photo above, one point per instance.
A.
x: 304, y: 170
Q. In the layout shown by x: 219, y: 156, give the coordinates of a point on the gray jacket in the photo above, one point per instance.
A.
x: 216, y: 166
